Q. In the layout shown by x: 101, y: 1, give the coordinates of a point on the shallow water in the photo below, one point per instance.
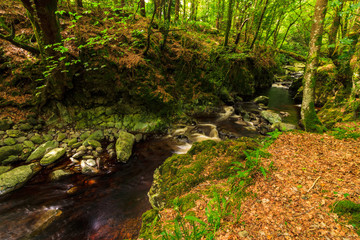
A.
x: 281, y: 101
x: 110, y: 206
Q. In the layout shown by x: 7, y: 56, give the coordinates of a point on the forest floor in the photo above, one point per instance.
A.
x: 309, y: 174
x: 312, y: 172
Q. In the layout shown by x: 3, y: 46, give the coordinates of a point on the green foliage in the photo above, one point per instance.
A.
x: 351, y: 210
x: 344, y: 133
x: 196, y: 228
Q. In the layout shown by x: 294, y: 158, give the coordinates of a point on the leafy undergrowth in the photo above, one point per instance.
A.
x: 301, y: 189
x: 202, y: 190
x: 352, y: 210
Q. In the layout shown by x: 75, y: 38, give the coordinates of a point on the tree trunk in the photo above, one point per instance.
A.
x: 142, y: 8
x: 309, y: 118
x: 43, y: 13
x: 333, y: 34
x: 177, y: 10
x: 259, y: 25
x: 228, y: 24
x: 169, y: 11
x: 79, y: 3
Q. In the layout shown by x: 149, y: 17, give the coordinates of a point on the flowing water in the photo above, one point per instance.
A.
x: 110, y: 206
x: 281, y: 101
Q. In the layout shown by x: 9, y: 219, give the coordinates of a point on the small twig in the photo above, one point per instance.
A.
x: 313, y: 184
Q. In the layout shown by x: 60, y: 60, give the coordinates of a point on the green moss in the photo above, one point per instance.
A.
x: 352, y: 210
x: 187, y: 202
x: 149, y: 218
x: 312, y: 122
x: 205, y: 161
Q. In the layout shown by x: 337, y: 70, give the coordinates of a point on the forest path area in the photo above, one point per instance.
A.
x: 312, y: 172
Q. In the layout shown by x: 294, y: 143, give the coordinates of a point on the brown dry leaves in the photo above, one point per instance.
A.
x: 286, y: 207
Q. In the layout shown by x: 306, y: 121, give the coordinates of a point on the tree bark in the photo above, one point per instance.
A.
x: 309, y: 118
x: 259, y: 25
x: 142, y: 8
x: 42, y: 13
x: 177, y: 10
x: 228, y: 24
x: 333, y: 34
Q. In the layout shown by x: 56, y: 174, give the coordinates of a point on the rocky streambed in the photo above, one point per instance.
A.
x: 80, y: 184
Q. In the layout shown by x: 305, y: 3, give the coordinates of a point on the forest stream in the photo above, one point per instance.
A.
x: 110, y: 206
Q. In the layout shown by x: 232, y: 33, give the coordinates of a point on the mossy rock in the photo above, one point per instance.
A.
x: 5, y: 124
x: 10, y: 160
x: 206, y: 160
x: 124, y: 145
x: 8, y: 151
x: 4, y: 169
x: 52, y: 156
x: 37, y: 139
x: 17, y: 177
x: 25, y: 127
x: 42, y: 149
x: 60, y: 137
x: 14, y: 133
x: 9, y: 141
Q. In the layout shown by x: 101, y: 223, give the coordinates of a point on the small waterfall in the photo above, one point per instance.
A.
x: 229, y: 110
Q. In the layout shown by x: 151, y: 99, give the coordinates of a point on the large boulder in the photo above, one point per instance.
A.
x: 42, y: 149
x: 17, y: 177
x: 8, y: 151
x: 271, y: 116
x: 124, y: 145
x: 52, y: 156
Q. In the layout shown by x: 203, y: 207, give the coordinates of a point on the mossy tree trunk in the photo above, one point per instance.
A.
x: 308, y: 115
x: 259, y: 24
x: 333, y: 34
x: 142, y: 8
x: 177, y: 10
x: 355, y: 90
x: 228, y: 24
x: 45, y: 22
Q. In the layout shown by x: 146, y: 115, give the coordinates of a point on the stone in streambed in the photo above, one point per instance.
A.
x: 92, y: 143
x: 272, y: 117
x: 262, y: 99
x: 8, y: 151
x: 9, y: 141
x: 124, y: 145
x: 14, y: 133
x: 37, y: 139
x: 10, y: 160
x: 97, y: 135
x: 25, y: 127
x: 17, y: 177
x: 21, y: 139
x: 52, y: 156
x: 284, y: 126
x: 29, y: 144
x: 42, y: 149
x: 60, y: 174
x: 88, y: 170
x: 61, y: 137
x: 4, y: 169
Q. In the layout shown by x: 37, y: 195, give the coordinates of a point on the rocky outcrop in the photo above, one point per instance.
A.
x: 124, y: 145
x: 17, y: 177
